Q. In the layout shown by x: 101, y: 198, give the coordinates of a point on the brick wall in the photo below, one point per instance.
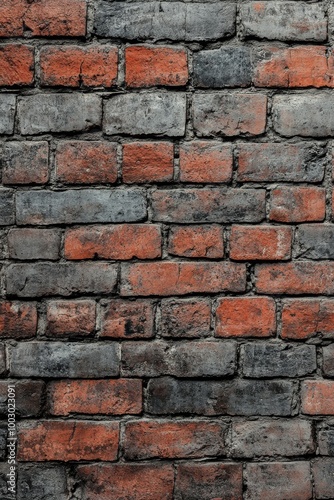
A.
x: 167, y: 247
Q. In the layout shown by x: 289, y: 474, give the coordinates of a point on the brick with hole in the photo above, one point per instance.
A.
x: 70, y: 318
x: 74, y: 65
x: 205, y: 161
x: 127, y: 319
x: 161, y: 439
x: 295, y: 278
x: 297, y: 204
x: 317, y: 397
x: 56, y: 440
x: 260, y: 243
x: 149, y: 66
x: 148, y: 481
x: 17, y: 64
x: 18, y: 319
x: 209, y: 481
x: 93, y: 397
x: 281, y: 162
x: 294, y: 67
x: 245, y: 317
x: 181, y: 278
x: 45, y: 18
x: 86, y: 162
x: 147, y: 162
x: 25, y: 162
x: 119, y: 242
x: 305, y: 318
x: 196, y: 241
x: 187, y: 318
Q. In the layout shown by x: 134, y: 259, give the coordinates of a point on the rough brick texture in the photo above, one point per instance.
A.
x: 167, y: 249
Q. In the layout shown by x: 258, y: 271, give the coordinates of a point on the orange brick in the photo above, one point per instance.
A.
x: 297, y: 204
x: 67, y: 440
x: 148, y: 162
x: 260, y: 243
x: 91, y: 397
x: 295, y: 67
x: 304, y: 318
x: 86, y: 162
x: 72, y: 66
x: 43, y: 18
x: 121, y: 242
x: 18, y: 319
x: 196, y: 241
x: 206, y: 161
x: 149, y: 66
x: 245, y: 317
x: 318, y: 397
x: 65, y: 317
x: 17, y: 64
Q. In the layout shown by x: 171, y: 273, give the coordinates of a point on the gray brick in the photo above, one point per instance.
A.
x: 2, y: 359
x: 3, y: 441
x: 59, y: 113
x: 229, y: 114
x: 40, y: 482
x: 326, y: 441
x: 64, y: 360
x: 164, y: 20
x: 25, y: 162
x: 145, y: 113
x: 191, y: 359
x: 28, y: 397
x: 240, y: 397
x: 285, y: 21
x: 304, y: 115
x: 280, y: 162
x: 38, y: 279
x: 31, y: 243
x: 271, y: 438
x: 323, y: 475
x: 209, y: 205
x: 224, y: 67
x: 7, y: 113
x: 80, y: 206
x: 315, y: 241
x: 328, y: 360
x: 278, y: 360
x: 7, y: 208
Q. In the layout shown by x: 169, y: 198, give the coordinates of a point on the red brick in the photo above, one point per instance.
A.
x: 81, y: 162
x: 196, y: 241
x: 121, y: 242
x: 211, y: 481
x: 107, y: 397
x: 297, y: 204
x: 302, y: 319
x: 73, y: 66
x: 43, y: 18
x: 288, y: 480
x: 73, y: 318
x: 169, y: 439
x: 149, y: 66
x: 185, y: 318
x: 25, y: 162
x: 295, y: 278
x: 148, y: 162
x: 17, y: 64
x: 18, y: 319
x: 318, y: 397
x: 129, y: 320
x: 260, y: 243
x: 67, y: 440
x: 129, y: 481
x: 180, y: 278
x: 206, y: 161
x: 245, y: 317
x: 294, y: 67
